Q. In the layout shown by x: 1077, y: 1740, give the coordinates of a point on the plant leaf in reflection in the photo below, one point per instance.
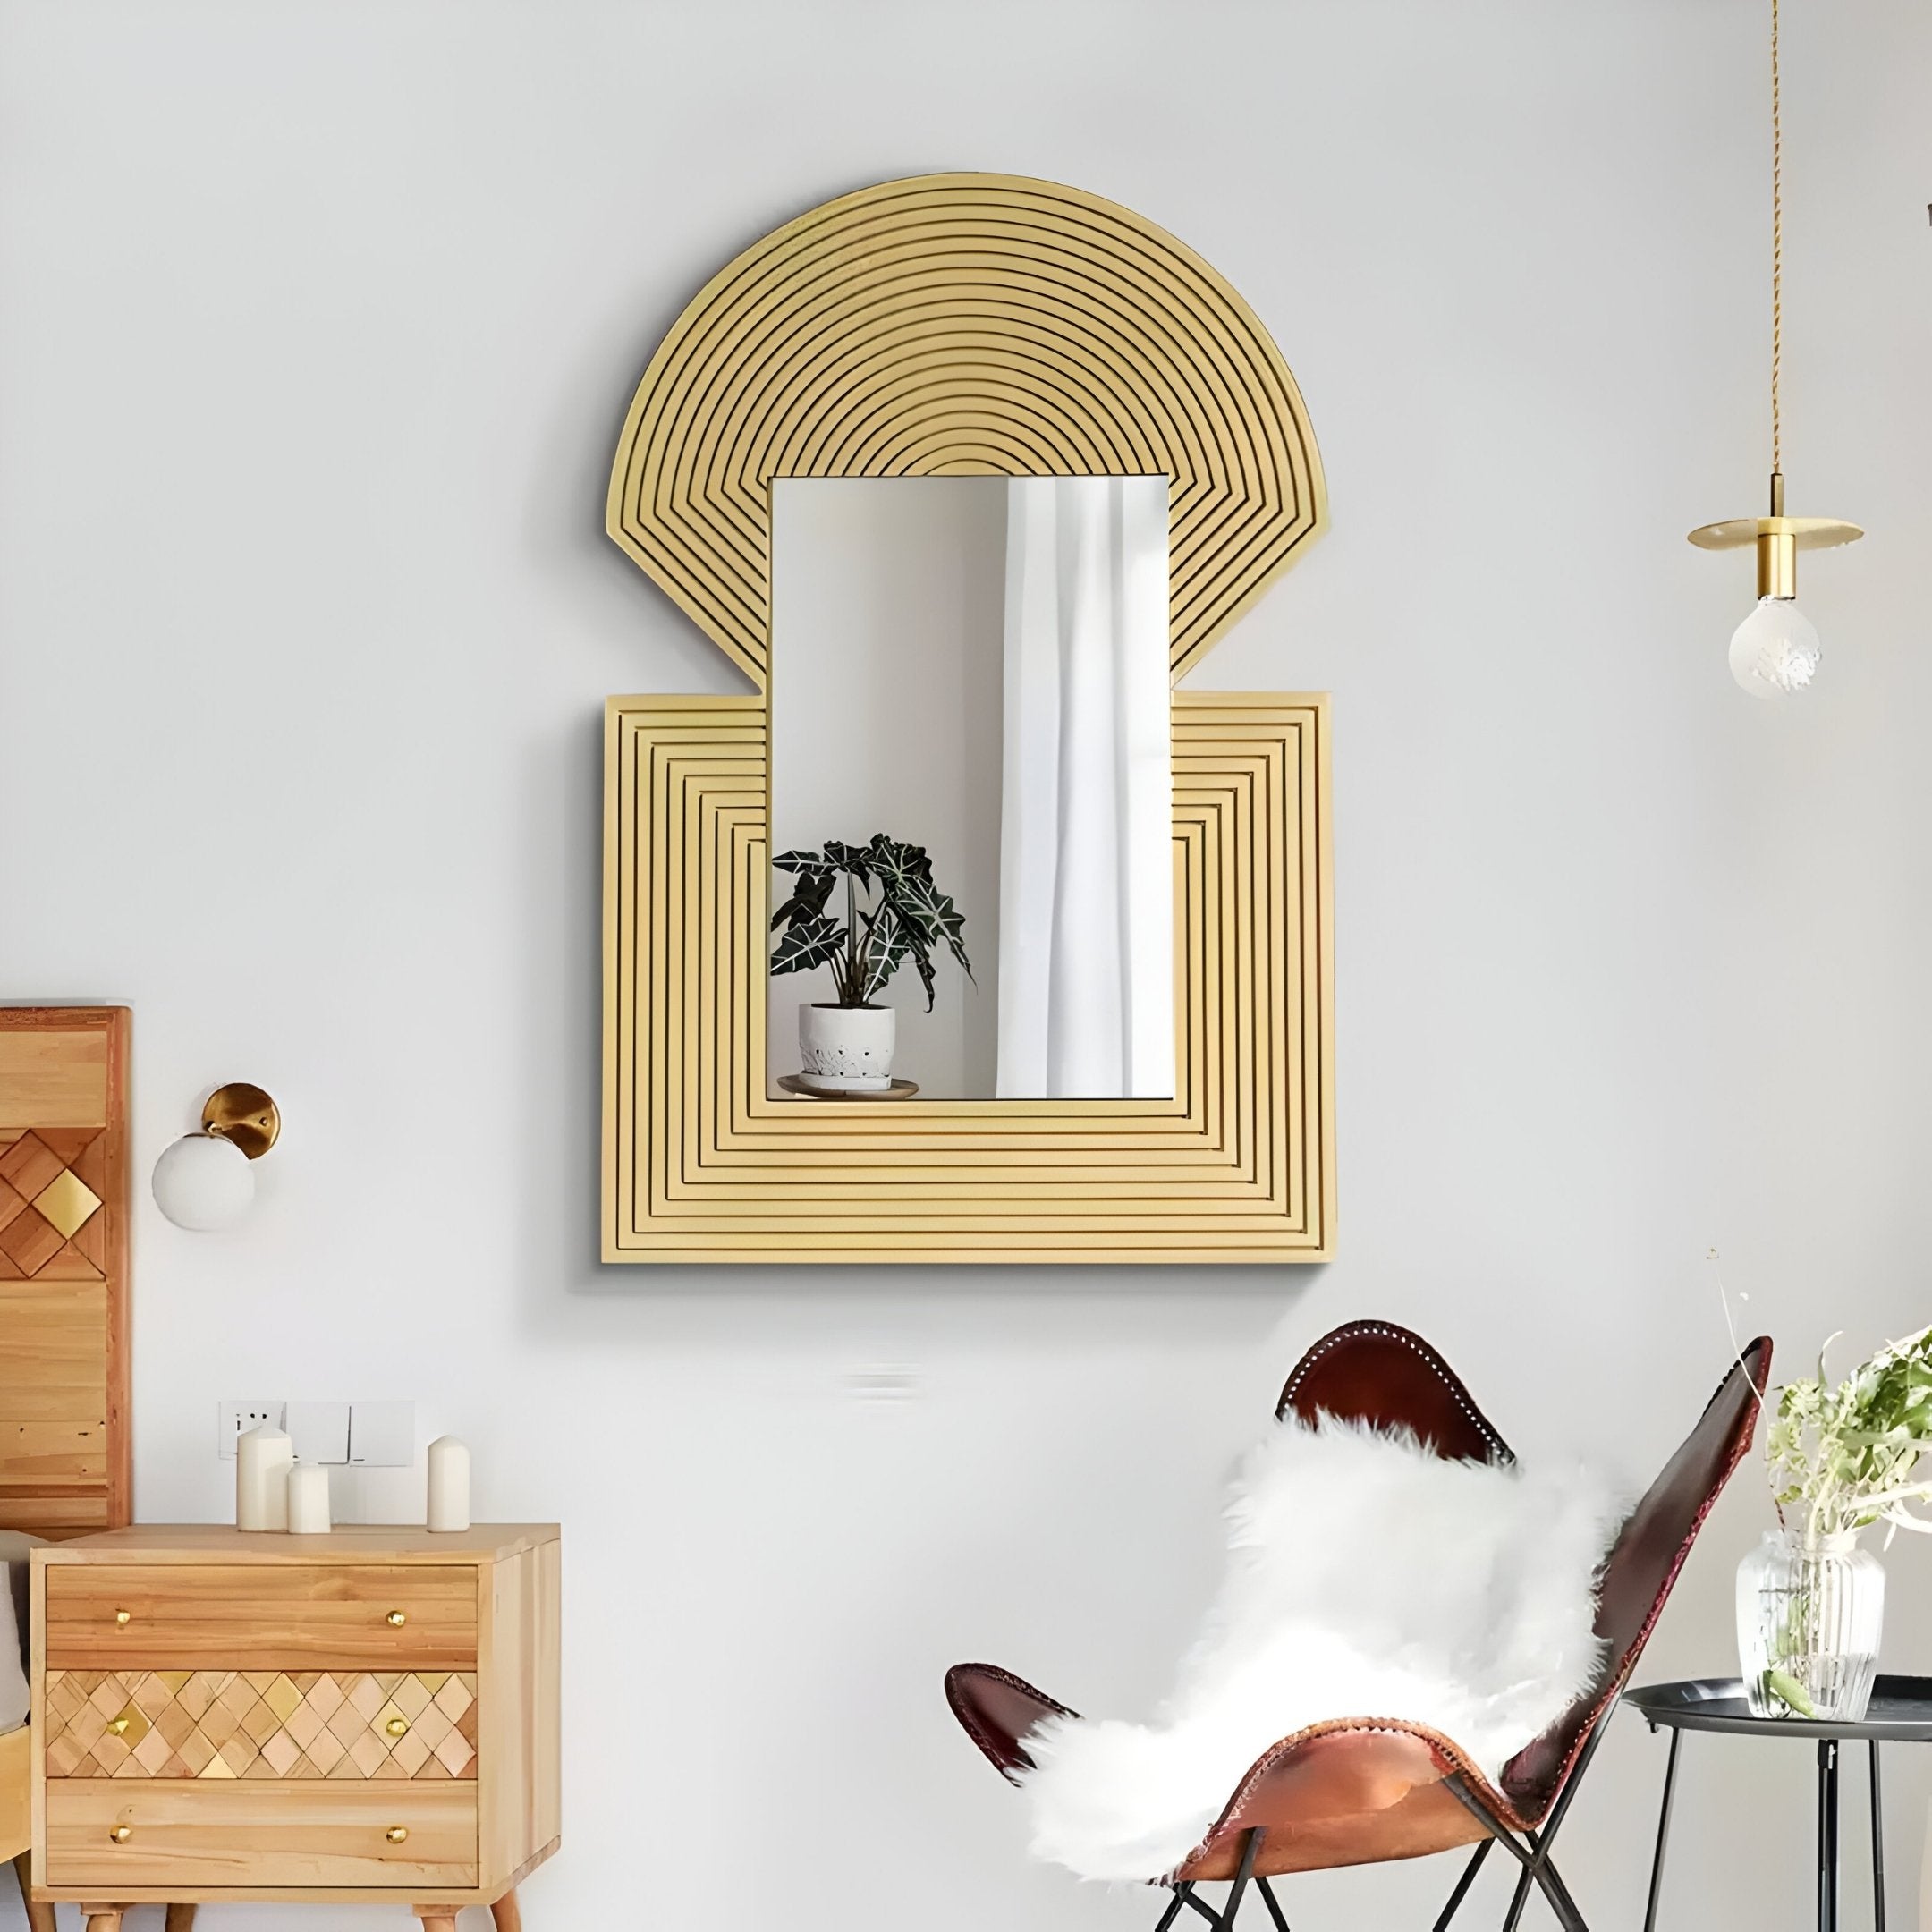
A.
x: 809, y: 896
x: 806, y: 943
x: 904, y: 916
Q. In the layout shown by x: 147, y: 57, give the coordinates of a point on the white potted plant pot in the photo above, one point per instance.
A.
x: 846, y: 1050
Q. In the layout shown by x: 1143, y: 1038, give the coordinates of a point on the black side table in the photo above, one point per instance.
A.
x: 1900, y: 1712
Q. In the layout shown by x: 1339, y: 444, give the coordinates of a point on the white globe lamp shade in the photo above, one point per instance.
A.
x: 204, y: 1182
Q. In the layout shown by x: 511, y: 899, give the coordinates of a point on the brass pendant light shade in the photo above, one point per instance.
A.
x: 1778, y: 539
x: 1775, y: 651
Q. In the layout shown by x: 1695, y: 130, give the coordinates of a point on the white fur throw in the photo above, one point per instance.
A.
x: 1365, y: 1578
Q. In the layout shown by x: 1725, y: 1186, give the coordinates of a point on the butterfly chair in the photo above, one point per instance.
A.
x: 1359, y: 1789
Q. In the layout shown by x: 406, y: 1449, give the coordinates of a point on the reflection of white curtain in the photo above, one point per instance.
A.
x: 1086, y: 964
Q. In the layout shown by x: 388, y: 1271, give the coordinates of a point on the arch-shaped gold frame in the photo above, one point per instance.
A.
x: 964, y: 324
x: 959, y: 325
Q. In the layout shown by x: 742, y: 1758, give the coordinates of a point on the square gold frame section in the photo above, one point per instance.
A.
x: 700, y: 1165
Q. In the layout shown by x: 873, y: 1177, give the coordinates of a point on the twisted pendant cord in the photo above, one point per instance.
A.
x: 1777, y: 248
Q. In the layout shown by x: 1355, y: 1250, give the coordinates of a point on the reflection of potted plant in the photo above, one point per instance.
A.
x: 847, y: 1043
x: 1810, y: 1603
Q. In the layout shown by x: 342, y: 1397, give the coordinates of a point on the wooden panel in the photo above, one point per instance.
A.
x: 222, y: 1724
x: 48, y: 1451
x: 347, y: 1543
x: 50, y: 1353
x: 543, y: 1678
x: 63, y: 1438
x: 15, y: 1768
x: 250, y: 1837
x: 232, y: 1616
x: 54, y: 1072
x: 65, y: 1513
x: 518, y: 1739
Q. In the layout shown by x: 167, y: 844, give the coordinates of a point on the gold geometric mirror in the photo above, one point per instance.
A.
x: 966, y: 325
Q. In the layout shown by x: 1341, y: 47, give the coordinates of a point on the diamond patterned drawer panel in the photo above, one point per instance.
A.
x: 51, y: 1227
x: 261, y: 1725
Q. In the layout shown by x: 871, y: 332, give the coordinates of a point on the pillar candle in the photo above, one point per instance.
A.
x: 449, y: 1484
x: 308, y: 1499
x: 262, y: 1460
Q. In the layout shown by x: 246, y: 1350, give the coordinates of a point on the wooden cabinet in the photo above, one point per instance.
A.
x: 369, y: 1714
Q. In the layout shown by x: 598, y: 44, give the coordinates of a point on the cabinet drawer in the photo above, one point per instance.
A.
x: 261, y: 1723
x: 252, y: 1617
x: 253, y: 1838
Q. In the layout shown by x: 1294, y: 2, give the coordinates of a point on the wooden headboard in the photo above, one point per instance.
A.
x: 64, y: 1464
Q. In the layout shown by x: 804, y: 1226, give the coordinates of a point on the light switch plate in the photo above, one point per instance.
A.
x: 235, y: 1418
x: 382, y: 1435
x: 318, y: 1431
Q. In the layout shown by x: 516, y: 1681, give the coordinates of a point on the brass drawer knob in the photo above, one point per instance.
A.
x: 118, y: 1725
x: 399, y: 1618
x: 397, y: 1727
x: 396, y: 1833
x: 121, y: 1833
x: 123, y: 1616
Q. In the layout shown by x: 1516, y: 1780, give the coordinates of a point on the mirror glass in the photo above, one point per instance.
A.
x: 972, y: 818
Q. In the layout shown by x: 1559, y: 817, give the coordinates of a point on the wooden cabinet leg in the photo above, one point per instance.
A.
x: 40, y: 1916
x: 103, y: 1918
x: 181, y: 1917
x: 435, y: 1917
x: 506, y: 1912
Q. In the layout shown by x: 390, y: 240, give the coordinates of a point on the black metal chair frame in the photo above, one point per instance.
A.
x: 1530, y: 1849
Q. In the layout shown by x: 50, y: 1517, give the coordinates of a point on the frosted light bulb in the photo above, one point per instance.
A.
x: 1775, y: 651
x: 204, y: 1182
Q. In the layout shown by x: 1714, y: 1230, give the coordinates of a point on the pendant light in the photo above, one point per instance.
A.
x: 1775, y: 651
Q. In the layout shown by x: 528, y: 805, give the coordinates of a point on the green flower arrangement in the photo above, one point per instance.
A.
x: 1841, y: 1459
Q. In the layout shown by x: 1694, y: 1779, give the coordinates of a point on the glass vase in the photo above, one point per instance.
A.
x: 1809, y: 1612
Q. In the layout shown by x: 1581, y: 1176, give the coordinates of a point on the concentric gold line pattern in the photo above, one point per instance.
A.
x: 701, y: 1165
x: 963, y: 325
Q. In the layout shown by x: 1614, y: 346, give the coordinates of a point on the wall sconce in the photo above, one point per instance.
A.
x: 205, y: 1180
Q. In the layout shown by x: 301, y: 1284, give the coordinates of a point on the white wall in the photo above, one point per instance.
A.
x: 888, y: 623
x: 319, y: 320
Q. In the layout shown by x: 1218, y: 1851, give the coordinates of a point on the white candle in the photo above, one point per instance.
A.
x: 308, y: 1499
x: 449, y: 1484
x: 262, y: 1460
